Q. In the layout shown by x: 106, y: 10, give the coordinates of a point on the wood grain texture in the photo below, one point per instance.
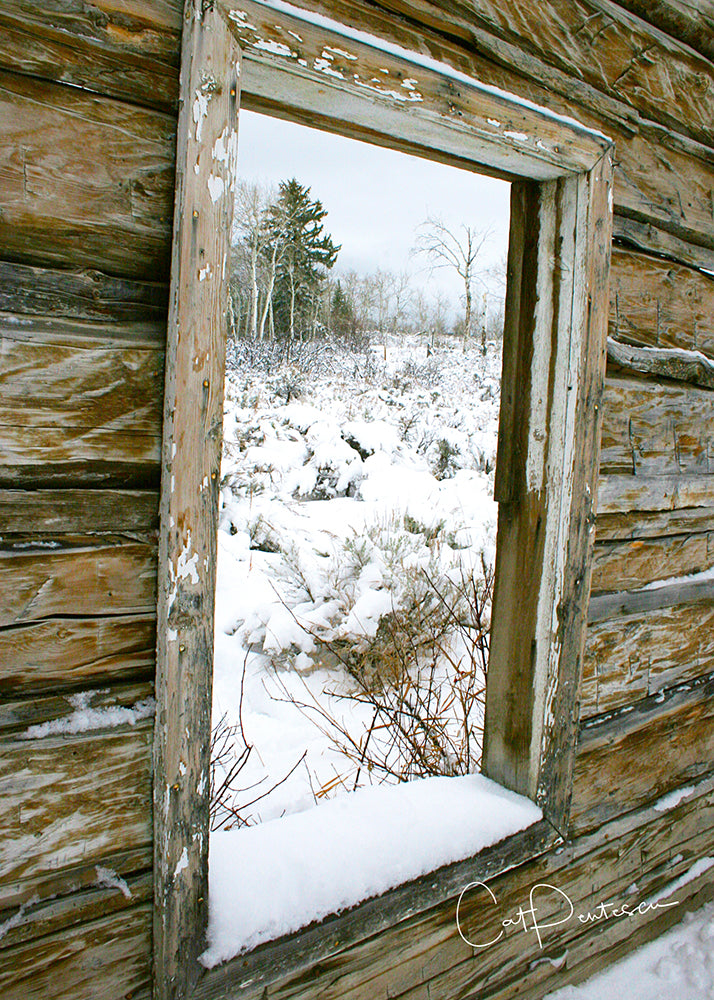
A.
x: 70, y: 803
x: 193, y: 423
x: 86, y: 295
x: 595, y: 41
x: 128, y: 50
x: 101, y: 580
x: 657, y: 303
x: 633, y: 656
x: 661, y: 363
x: 72, y: 653
x: 652, y: 238
x: 36, y: 920
x: 656, y: 429
x: 653, y: 524
x: 590, y: 49
x: 87, y: 181
x: 554, y: 359
x: 367, y: 90
x: 70, y: 512
x: 627, y: 565
x: 89, y: 392
x: 18, y: 714
x: 105, y: 959
x: 690, y: 21
x: 424, y: 956
x: 631, y: 757
x: 620, y: 494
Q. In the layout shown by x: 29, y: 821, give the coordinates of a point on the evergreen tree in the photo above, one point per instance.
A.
x: 295, y: 220
x: 342, y: 314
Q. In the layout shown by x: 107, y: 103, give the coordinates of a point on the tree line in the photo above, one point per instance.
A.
x: 282, y: 283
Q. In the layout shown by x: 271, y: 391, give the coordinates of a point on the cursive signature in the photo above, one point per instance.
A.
x: 530, y: 917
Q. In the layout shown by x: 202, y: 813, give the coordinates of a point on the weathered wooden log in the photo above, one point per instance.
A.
x: 75, y: 512
x: 633, y: 656
x: 592, y: 44
x: 60, y: 653
x: 627, y: 565
x: 690, y: 21
x: 96, y: 901
x: 622, y: 493
x: 20, y: 714
x: 109, y: 957
x: 662, y: 363
x: 104, y: 580
x: 656, y: 303
x: 655, y: 429
x: 63, y: 204
x: 80, y: 799
x: 638, y: 753
x: 130, y: 52
x: 653, y: 524
x: 651, y: 238
x: 86, y: 295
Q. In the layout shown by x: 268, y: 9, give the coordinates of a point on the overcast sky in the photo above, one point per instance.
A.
x: 375, y: 197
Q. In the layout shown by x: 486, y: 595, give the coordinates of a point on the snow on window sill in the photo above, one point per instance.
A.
x: 272, y: 879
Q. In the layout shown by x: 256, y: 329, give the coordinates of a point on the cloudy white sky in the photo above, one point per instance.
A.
x: 375, y: 197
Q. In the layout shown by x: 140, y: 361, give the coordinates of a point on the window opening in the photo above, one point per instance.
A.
x: 357, y: 529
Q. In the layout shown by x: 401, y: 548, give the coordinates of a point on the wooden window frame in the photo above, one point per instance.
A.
x: 553, y: 373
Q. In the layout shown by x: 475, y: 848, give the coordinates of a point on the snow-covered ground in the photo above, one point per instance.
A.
x: 349, y: 478
x: 356, y: 510
x: 678, y: 965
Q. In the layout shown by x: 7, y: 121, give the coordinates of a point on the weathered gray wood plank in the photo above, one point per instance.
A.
x: 37, y: 920
x: 69, y: 512
x: 368, y: 91
x: 652, y: 238
x: 86, y: 181
x: 129, y: 51
x: 19, y: 713
x: 87, y: 295
x: 657, y: 303
x: 425, y: 952
x: 636, y: 755
x: 551, y: 406
x: 656, y: 429
x: 69, y: 803
x: 106, y: 959
x: 193, y: 422
x: 60, y: 653
x: 661, y: 363
x: 627, y: 565
x: 619, y: 494
x: 104, y: 580
x: 633, y: 656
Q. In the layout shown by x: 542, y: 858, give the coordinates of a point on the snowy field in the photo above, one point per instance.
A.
x: 351, y: 480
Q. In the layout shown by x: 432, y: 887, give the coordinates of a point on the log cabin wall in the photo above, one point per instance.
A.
x: 88, y: 96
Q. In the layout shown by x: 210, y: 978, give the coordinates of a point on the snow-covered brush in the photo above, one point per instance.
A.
x: 427, y: 714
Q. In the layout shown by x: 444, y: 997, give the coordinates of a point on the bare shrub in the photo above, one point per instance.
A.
x: 423, y: 679
x: 230, y: 751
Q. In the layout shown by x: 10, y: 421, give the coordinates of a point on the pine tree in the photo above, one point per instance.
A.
x: 342, y: 314
x: 307, y: 252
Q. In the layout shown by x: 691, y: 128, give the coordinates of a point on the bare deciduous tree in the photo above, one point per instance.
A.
x: 443, y: 247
